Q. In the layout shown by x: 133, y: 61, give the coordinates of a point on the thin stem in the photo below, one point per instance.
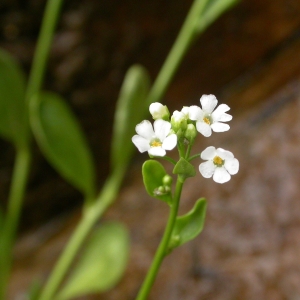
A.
x: 186, y: 36
x: 194, y: 156
x: 18, y: 185
x: 188, y: 151
x: 90, y: 217
x: 43, y: 47
x: 161, y: 251
x: 167, y: 158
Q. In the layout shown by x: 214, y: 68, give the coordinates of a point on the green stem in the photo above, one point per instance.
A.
x: 162, y: 249
x: 43, y: 47
x: 194, y: 156
x: 188, y: 151
x: 186, y: 36
x: 18, y: 185
x: 167, y: 158
x: 90, y: 217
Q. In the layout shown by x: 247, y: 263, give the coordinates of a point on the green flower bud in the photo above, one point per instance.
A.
x: 178, y: 121
x: 167, y: 180
x: 190, y: 133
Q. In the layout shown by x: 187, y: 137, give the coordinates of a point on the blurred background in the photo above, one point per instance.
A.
x: 249, y: 58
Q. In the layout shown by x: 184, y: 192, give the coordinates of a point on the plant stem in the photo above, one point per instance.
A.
x: 186, y: 36
x: 161, y: 251
x: 90, y: 217
x: 18, y: 185
x: 40, y: 58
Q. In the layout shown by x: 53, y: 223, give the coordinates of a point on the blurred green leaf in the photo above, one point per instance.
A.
x: 188, y: 226
x: 153, y: 175
x: 184, y: 169
x: 13, y: 110
x: 101, y: 264
x: 62, y: 141
x: 130, y: 110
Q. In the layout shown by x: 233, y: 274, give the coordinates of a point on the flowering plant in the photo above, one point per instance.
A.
x: 181, y: 131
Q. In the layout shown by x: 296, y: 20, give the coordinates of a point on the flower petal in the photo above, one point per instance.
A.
x: 141, y: 143
x: 219, y: 127
x: 221, y: 175
x: 195, y: 113
x: 220, y: 110
x: 208, y: 102
x: 161, y: 128
x: 157, y: 151
x: 224, y: 154
x: 145, y: 129
x: 232, y: 166
x: 207, y: 169
x: 209, y: 153
x: 170, y: 142
x: 203, y: 128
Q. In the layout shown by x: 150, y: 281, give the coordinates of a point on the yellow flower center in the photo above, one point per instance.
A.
x: 155, y: 143
x: 218, y: 161
x: 207, y: 120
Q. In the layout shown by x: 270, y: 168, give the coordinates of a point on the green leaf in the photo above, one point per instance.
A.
x: 188, y: 226
x: 184, y: 169
x: 13, y: 110
x: 130, y: 110
x: 153, y: 176
x: 62, y: 141
x: 101, y: 264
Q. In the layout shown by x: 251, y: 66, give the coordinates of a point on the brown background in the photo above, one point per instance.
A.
x: 250, y: 60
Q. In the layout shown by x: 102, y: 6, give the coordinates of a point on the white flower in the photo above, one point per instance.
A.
x: 159, y: 111
x: 220, y: 164
x: 207, y: 119
x: 156, y: 141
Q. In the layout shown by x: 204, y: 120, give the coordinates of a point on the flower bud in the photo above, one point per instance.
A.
x: 159, y: 111
x: 178, y: 121
x: 190, y: 133
x: 167, y: 180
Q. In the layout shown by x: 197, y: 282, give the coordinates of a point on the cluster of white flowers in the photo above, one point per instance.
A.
x: 165, y: 133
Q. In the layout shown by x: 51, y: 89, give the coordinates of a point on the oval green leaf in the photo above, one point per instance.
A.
x: 13, y: 110
x: 188, y: 226
x: 130, y: 110
x: 62, y: 141
x: 101, y: 264
x: 153, y: 174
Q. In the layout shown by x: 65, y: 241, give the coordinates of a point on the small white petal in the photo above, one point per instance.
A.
x: 208, y: 102
x: 221, y: 175
x: 186, y: 111
x: 224, y: 154
x: 219, y: 127
x: 141, y: 143
x: 145, y: 129
x: 203, y: 128
x: 157, y: 151
x: 196, y: 113
x: 209, y: 153
x: 161, y: 128
x: 222, y: 118
x: 232, y: 166
x: 220, y: 110
x: 170, y: 142
x: 207, y: 169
